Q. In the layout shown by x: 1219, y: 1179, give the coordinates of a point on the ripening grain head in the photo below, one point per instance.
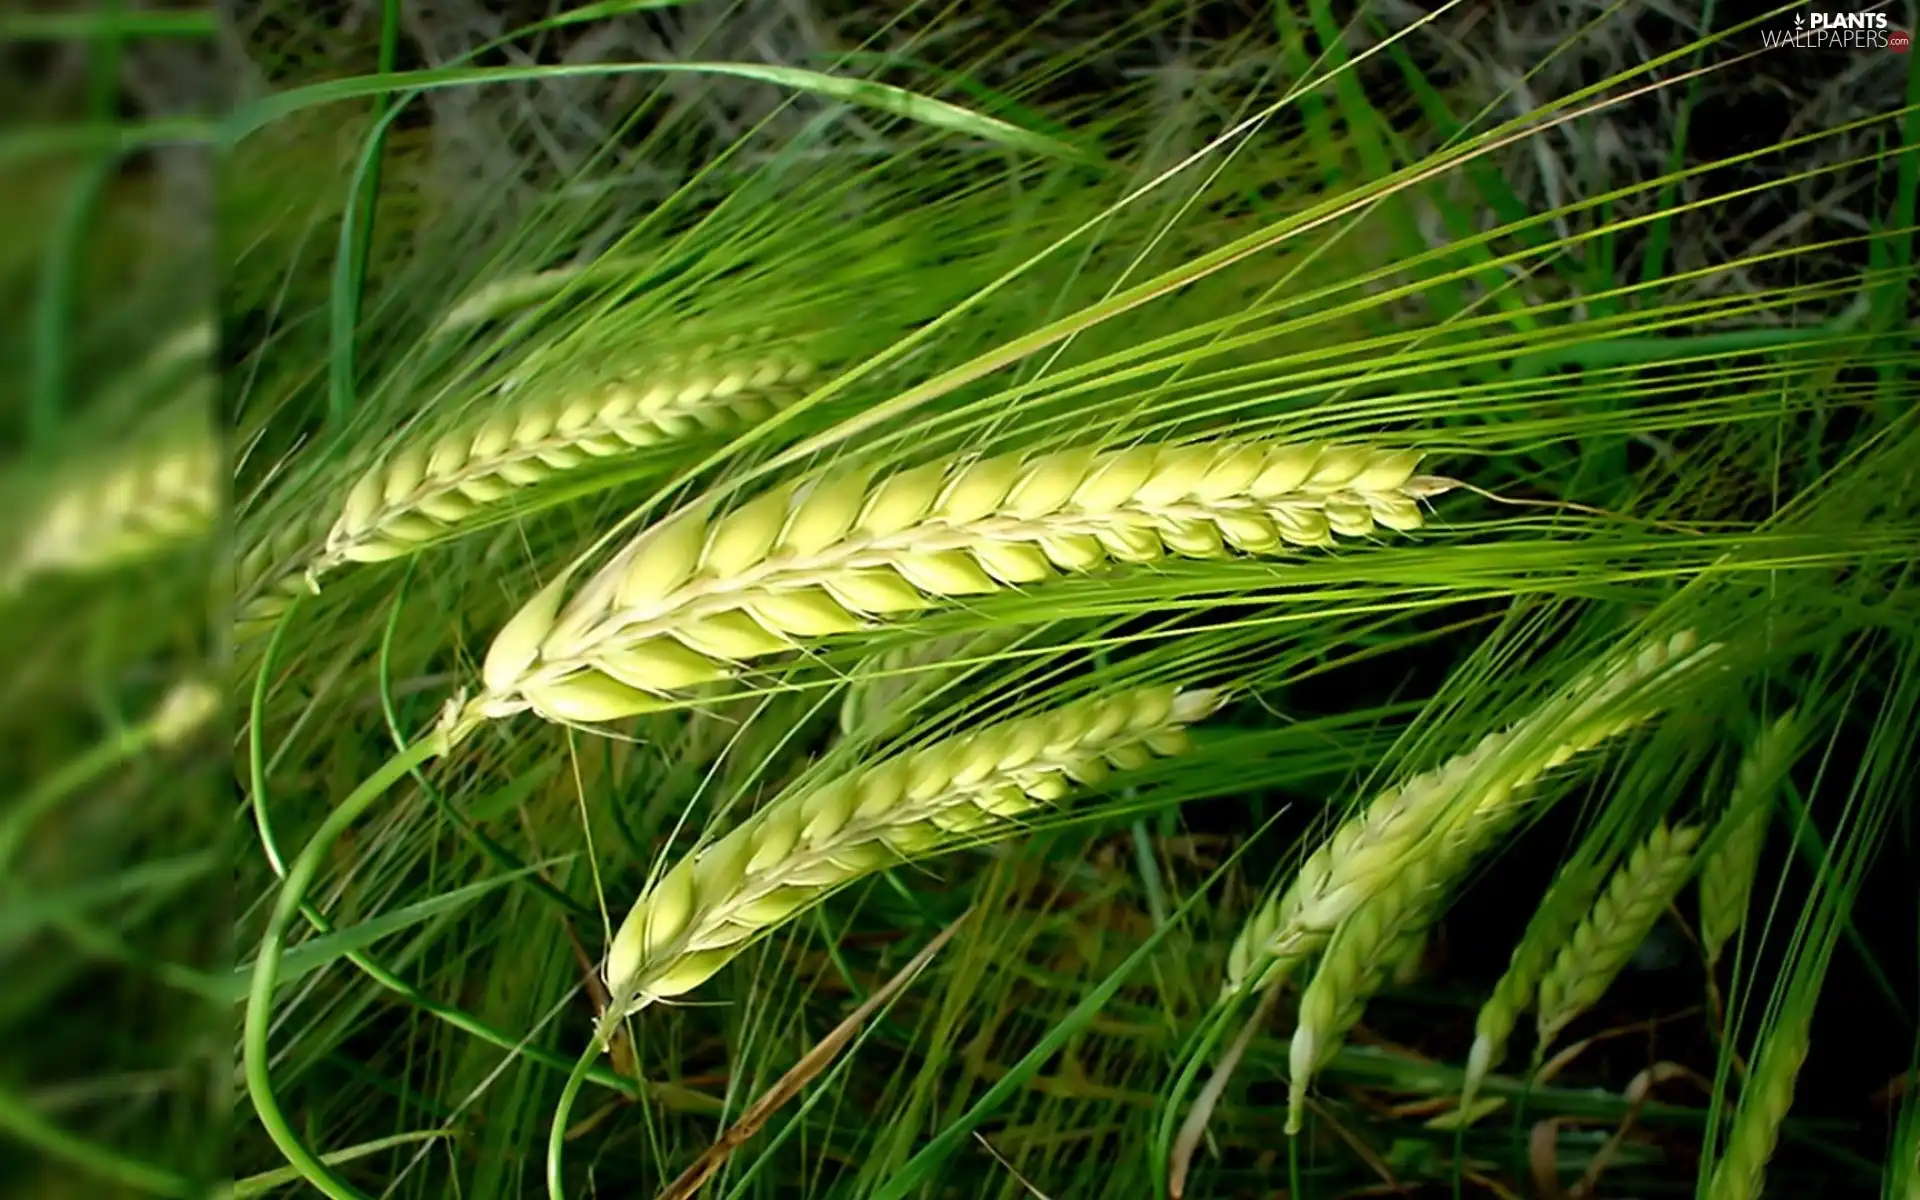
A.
x: 421, y: 492
x: 140, y: 501
x: 803, y: 846
x: 1367, y: 851
x: 1603, y: 942
x: 695, y: 597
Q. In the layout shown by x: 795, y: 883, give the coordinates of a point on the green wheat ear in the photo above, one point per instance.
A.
x: 132, y: 504
x: 694, y: 598
x: 1764, y: 1102
x: 1461, y: 798
x: 1727, y: 875
x: 423, y: 492
x: 805, y: 845
x: 1600, y: 946
x: 1553, y: 922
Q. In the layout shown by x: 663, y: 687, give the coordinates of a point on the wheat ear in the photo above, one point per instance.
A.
x: 421, y: 493
x: 800, y: 848
x: 1366, y: 851
x: 1742, y: 1170
x: 271, y: 574
x: 690, y: 599
x: 1640, y: 890
x: 1362, y: 952
x: 1358, y: 957
x: 141, y: 502
x: 1727, y: 874
x: 1553, y: 922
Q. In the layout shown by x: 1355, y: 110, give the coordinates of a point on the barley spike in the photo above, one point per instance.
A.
x: 692, y: 598
x: 1727, y: 874
x: 421, y: 492
x: 804, y: 845
x: 1363, y: 952
x: 1553, y: 922
x: 1367, y: 850
x: 1742, y: 1170
x: 1640, y: 890
x: 1358, y: 957
x: 147, y: 499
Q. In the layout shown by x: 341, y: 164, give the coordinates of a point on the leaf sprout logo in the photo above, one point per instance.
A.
x: 1840, y: 31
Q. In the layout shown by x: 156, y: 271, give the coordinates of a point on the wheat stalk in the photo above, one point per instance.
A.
x: 1741, y: 1172
x: 1366, y: 852
x: 1553, y: 922
x: 803, y: 846
x: 422, y: 492
x: 1727, y: 874
x: 690, y: 599
x: 1640, y: 890
x: 1903, y: 1166
x: 110, y: 512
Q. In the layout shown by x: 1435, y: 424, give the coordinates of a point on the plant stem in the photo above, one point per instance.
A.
x: 557, y: 1136
x: 457, y: 1017
x: 266, y: 965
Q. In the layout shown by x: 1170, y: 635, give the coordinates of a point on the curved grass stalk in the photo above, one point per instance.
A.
x: 799, y: 849
x: 187, y: 706
x: 1367, y: 852
x: 692, y: 599
x: 300, y: 876
x: 457, y: 1018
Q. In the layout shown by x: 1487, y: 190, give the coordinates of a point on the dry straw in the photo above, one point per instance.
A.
x: 1600, y: 946
x: 803, y: 846
x: 1368, y: 851
x: 1727, y: 874
x: 693, y: 598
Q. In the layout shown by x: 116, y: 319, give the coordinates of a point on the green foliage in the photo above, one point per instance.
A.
x: 586, y: 362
